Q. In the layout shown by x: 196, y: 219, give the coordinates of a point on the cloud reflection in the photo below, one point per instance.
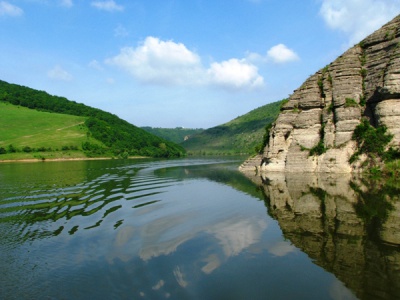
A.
x: 281, y: 249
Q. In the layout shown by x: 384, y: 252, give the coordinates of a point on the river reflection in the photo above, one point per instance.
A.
x: 347, y: 225
x: 191, y: 229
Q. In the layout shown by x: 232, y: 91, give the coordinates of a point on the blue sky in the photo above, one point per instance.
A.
x: 170, y: 63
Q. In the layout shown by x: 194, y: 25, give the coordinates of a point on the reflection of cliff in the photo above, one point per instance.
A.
x: 340, y: 226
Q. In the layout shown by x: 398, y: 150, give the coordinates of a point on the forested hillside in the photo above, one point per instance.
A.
x: 115, y: 135
x: 239, y: 136
x: 176, y: 135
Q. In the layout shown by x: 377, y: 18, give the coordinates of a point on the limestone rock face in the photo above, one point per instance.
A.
x: 325, y: 110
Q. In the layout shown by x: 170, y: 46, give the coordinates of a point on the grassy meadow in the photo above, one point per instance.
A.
x: 23, y: 127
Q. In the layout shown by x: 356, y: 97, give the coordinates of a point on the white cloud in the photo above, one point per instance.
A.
x: 58, y: 73
x: 235, y: 73
x: 160, y: 62
x: 67, y: 3
x: 168, y: 63
x: 109, y: 5
x: 282, y: 54
x: 7, y: 9
x: 281, y: 249
x: 358, y: 18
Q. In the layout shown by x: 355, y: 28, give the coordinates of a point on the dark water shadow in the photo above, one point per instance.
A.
x: 348, y: 225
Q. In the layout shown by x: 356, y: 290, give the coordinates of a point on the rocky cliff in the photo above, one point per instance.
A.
x: 325, y: 110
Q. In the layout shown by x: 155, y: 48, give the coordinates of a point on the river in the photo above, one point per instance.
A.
x: 193, y: 228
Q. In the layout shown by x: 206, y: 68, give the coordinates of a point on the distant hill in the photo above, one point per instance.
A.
x: 239, y: 136
x: 176, y: 135
x: 105, y: 134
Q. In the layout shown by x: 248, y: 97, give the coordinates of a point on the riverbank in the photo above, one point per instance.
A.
x: 34, y: 160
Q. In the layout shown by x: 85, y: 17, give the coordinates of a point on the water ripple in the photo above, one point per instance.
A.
x: 47, y: 211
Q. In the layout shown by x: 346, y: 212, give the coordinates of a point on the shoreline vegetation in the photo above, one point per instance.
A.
x: 32, y: 160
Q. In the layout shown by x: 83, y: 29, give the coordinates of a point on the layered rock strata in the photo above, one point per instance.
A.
x: 325, y: 110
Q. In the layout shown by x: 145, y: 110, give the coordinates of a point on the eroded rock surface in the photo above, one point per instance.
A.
x: 325, y: 110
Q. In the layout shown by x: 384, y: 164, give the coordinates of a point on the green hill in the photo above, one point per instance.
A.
x: 176, y: 135
x: 239, y: 136
x: 88, y: 130
x: 27, y: 133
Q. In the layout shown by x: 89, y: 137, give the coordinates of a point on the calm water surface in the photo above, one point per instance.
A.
x: 192, y: 229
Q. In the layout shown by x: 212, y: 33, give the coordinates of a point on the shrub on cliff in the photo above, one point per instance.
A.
x: 373, y: 142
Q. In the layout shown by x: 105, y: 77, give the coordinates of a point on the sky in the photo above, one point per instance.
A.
x: 178, y: 63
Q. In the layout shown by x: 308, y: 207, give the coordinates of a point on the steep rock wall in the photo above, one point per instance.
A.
x: 325, y: 110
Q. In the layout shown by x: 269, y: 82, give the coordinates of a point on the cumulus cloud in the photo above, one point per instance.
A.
x: 109, y: 5
x: 8, y: 9
x: 358, y: 18
x: 58, y: 73
x: 160, y: 62
x: 235, y: 73
x: 281, y: 54
x: 166, y: 62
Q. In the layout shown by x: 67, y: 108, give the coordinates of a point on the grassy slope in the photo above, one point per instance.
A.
x: 20, y: 127
x: 240, y: 135
x: 118, y: 137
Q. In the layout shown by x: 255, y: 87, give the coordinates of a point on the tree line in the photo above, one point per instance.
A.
x: 119, y: 136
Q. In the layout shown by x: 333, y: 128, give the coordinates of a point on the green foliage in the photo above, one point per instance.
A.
x: 391, y: 154
x: 318, y: 149
x: 390, y: 34
x: 239, y: 136
x: 350, y: 102
x: 371, y: 140
x: 283, y: 102
x: 302, y: 148
x: 176, y: 135
x: 330, y: 107
x: 363, y: 72
x: 11, y: 149
x: 363, y: 100
x: 354, y: 157
x: 114, y: 133
x: 27, y: 149
x: 392, y: 169
x: 93, y: 150
x: 330, y: 79
x: 260, y: 148
x: 320, y: 83
x: 121, y: 135
x: 42, y: 131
